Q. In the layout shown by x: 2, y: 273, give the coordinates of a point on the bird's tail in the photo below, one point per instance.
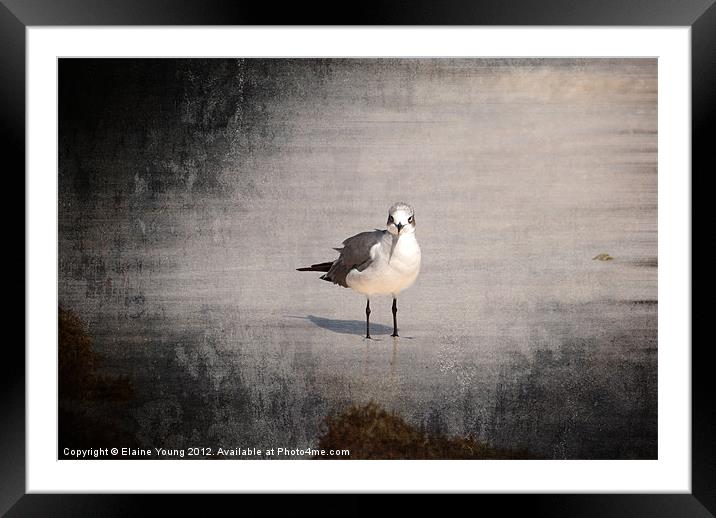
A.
x: 320, y: 267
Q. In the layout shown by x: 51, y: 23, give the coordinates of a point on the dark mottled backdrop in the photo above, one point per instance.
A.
x: 190, y: 190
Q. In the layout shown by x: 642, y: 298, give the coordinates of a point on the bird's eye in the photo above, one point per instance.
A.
x: 390, y: 219
x: 410, y: 219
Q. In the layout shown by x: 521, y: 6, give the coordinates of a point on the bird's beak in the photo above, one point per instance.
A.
x: 399, y: 226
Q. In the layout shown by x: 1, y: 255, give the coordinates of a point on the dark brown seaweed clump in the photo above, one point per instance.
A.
x: 370, y: 432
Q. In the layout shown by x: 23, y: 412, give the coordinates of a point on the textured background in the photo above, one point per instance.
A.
x: 190, y: 190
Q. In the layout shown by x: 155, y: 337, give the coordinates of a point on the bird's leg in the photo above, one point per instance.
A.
x: 367, y: 318
x: 395, y: 317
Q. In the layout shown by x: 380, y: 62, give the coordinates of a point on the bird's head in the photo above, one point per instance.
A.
x: 401, y: 219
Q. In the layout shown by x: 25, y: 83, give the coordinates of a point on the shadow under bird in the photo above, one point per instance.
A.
x: 378, y: 262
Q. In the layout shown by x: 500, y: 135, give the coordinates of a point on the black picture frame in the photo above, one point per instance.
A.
x: 17, y: 15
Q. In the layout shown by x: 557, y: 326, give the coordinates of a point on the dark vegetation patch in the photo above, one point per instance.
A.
x: 371, y: 432
x: 93, y: 408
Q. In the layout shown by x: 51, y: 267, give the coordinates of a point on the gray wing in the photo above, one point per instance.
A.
x: 354, y: 254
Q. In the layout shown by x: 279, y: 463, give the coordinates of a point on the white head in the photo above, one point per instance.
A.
x: 401, y: 219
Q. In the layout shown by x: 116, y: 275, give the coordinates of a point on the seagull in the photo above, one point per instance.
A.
x: 378, y: 262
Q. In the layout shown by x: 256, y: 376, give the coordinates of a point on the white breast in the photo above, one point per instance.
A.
x: 391, y: 271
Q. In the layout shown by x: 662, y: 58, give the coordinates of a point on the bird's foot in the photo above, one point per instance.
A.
x: 368, y: 337
x: 395, y: 334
